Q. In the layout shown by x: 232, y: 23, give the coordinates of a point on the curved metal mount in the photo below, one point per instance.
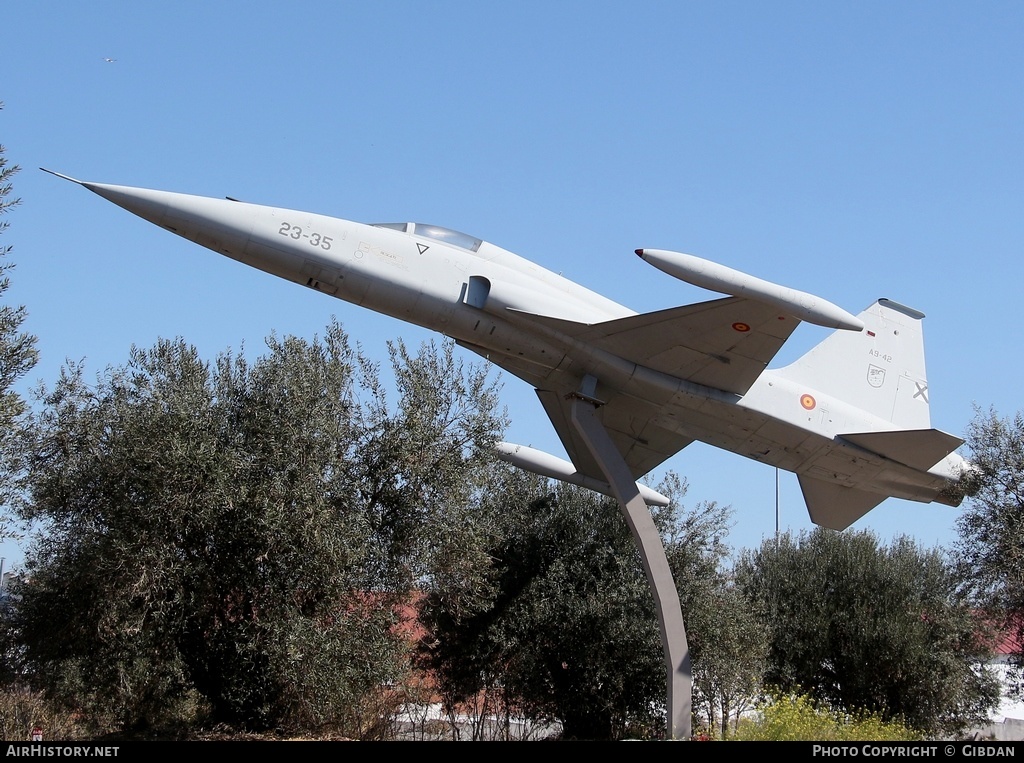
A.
x: 652, y: 552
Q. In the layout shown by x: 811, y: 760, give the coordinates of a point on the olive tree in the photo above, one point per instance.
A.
x: 563, y: 629
x: 863, y: 626
x: 17, y: 347
x: 991, y: 527
x: 233, y: 538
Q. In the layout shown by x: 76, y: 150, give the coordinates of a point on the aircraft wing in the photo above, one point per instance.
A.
x: 724, y: 344
x: 631, y: 424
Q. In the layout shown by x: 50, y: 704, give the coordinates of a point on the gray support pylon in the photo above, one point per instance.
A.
x: 652, y: 551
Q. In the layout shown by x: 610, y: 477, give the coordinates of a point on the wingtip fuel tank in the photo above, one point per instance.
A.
x: 547, y: 465
x: 716, y: 277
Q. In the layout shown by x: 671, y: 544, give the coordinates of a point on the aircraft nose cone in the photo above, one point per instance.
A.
x: 146, y: 203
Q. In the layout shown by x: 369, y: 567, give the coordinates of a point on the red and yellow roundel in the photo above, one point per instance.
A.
x: 808, y: 402
x: 741, y: 327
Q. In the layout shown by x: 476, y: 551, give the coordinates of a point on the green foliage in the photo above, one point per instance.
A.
x: 564, y: 628
x: 728, y: 642
x: 22, y: 710
x: 859, y: 626
x: 566, y: 606
x: 798, y: 718
x: 236, y: 536
x: 17, y: 348
x: 729, y: 648
x: 991, y: 546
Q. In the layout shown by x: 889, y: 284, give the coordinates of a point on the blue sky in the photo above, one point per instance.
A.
x: 851, y: 150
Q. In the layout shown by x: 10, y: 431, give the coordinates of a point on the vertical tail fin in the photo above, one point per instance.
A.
x: 879, y: 369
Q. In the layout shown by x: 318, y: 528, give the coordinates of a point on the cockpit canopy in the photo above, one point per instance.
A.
x: 436, y: 232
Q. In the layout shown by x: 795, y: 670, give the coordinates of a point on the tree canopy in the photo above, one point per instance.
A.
x: 231, y: 535
x: 565, y: 628
x: 991, y: 527
x: 862, y: 626
x: 17, y: 347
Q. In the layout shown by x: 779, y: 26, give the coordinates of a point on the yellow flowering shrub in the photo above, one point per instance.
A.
x: 793, y: 718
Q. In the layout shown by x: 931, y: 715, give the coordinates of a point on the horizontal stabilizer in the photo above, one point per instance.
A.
x: 917, y: 448
x: 835, y: 506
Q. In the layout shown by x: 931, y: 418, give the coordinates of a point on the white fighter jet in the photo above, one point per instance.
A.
x: 850, y: 418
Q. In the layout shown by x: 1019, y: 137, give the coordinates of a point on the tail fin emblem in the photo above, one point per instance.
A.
x: 876, y: 376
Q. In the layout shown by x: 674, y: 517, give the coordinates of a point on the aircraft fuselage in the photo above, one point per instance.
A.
x: 484, y: 297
